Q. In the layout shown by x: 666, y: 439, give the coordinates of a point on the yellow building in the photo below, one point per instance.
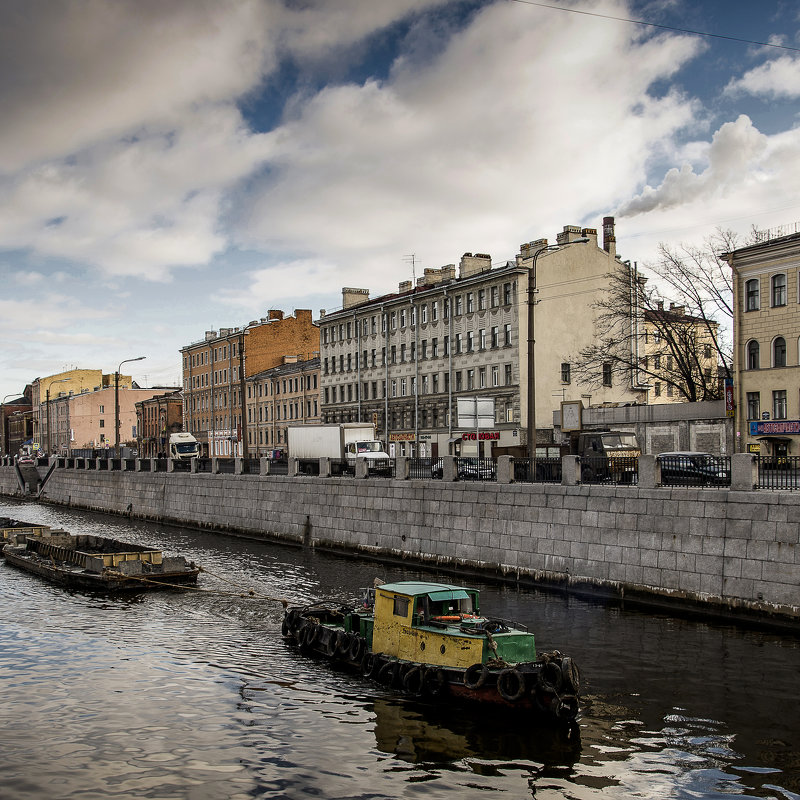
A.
x: 680, y: 356
x: 766, y: 360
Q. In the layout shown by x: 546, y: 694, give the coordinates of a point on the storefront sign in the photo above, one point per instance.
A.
x: 775, y: 428
x: 401, y: 437
x: 729, y: 397
x: 754, y: 447
x: 484, y: 436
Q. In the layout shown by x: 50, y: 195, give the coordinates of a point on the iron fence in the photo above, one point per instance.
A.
x: 695, y: 469
x: 425, y: 468
x: 341, y: 466
x: 381, y: 468
x: 476, y: 469
x: 204, y: 465
x: 779, y: 472
x: 544, y: 470
x: 251, y: 466
x: 613, y: 470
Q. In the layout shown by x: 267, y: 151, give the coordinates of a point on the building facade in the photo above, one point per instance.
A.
x: 766, y: 334
x: 418, y: 361
x: 85, y: 421
x: 156, y: 418
x: 16, y: 406
x: 679, y: 348
x: 215, y: 370
x: 285, y: 395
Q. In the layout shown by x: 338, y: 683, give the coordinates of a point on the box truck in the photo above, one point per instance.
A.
x: 183, y: 446
x: 343, y: 443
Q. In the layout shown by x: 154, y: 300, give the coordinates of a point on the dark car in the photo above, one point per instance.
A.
x: 691, y: 468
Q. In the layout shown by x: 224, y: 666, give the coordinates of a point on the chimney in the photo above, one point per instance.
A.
x: 660, y: 305
x: 354, y: 297
x: 609, y: 239
x: 405, y: 286
x: 568, y: 234
x: 590, y: 234
x: 274, y: 314
x: 677, y: 310
x: 474, y: 264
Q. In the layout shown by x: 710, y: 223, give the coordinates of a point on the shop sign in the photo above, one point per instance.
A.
x: 484, y: 436
x: 729, y: 405
x: 754, y: 447
x: 401, y: 437
x: 781, y: 427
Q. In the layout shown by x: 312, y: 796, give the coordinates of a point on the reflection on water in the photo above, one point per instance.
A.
x: 196, y: 694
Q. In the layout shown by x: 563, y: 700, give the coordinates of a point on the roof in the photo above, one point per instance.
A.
x: 414, y: 588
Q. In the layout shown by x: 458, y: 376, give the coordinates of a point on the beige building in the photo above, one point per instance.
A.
x: 679, y: 349
x: 766, y: 331
x: 64, y: 384
x: 285, y: 395
x: 405, y: 360
x: 85, y: 421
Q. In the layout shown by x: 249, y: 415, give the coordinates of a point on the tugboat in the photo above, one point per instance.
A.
x: 430, y: 639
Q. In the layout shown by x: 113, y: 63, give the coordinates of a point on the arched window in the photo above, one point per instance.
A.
x: 752, y: 295
x: 752, y: 354
x: 779, y: 352
x: 779, y: 290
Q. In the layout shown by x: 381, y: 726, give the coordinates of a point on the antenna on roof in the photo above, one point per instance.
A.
x: 412, y: 259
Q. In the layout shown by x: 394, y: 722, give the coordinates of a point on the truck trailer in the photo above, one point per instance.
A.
x: 183, y: 446
x: 343, y: 443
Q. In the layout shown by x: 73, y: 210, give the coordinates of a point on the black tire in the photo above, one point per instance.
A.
x: 285, y: 631
x: 571, y: 674
x: 388, y: 673
x: 550, y: 676
x: 357, y: 645
x: 414, y: 680
x: 511, y: 685
x: 435, y: 681
x: 475, y: 676
x: 345, y: 642
x: 333, y: 645
x: 370, y: 665
x: 305, y: 638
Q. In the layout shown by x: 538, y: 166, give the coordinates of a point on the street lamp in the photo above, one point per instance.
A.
x: 116, y: 401
x: 532, y: 343
x: 47, y: 408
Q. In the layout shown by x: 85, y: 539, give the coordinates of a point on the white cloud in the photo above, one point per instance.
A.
x: 779, y: 78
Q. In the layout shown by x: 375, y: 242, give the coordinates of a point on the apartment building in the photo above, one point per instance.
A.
x: 156, y: 418
x: 766, y: 336
x: 288, y: 394
x: 215, y: 370
x: 405, y: 360
x: 679, y: 349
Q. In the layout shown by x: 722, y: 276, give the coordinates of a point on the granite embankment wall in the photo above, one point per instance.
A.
x: 723, y: 550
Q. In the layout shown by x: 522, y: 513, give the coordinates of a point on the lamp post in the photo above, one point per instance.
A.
x: 116, y: 401
x: 532, y: 345
x: 47, y: 408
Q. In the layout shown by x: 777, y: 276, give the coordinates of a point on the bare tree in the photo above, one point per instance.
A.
x: 669, y: 331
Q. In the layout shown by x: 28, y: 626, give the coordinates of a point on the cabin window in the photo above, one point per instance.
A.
x: 401, y: 607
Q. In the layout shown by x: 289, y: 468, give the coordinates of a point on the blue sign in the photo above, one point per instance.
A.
x: 779, y: 427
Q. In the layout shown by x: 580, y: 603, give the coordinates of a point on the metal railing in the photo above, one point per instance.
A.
x: 544, y: 470
x: 613, y: 470
x: 779, y: 472
x: 476, y: 469
x: 695, y: 470
x: 424, y: 468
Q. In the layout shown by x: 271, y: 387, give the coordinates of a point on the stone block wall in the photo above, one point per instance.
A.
x: 723, y: 549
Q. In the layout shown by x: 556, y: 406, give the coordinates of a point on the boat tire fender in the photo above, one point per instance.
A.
x: 370, y: 665
x: 333, y: 647
x: 475, y: 676
x: 571, y: 674
x: 345, y: 643
x: 550, y: 676
x: 414, y: 680
x: 285, y: 630
x: 388, y: 673
x: 357, y: 645
x: 511, y: 684
x: 435, y: 681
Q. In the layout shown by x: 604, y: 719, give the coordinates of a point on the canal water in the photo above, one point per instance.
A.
x: 196, y: 695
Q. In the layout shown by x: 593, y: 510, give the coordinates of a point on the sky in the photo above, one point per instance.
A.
x: 169, y: 167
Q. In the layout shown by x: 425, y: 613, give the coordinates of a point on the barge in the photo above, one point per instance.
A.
x: 431, y: 640
x: 98, y: 564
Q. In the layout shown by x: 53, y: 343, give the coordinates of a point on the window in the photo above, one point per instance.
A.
x: 434, y: 310
x: 458, y: 343
x: 402, y: 353
x: 481, y: 299
x: 424, y: 350
x: 458, y: 305
x: 507, y: 334
x: 495, y: 376
x: 402, y: 318
x: 752, y: 355
x: 707, y: 351
x: 470, y: 304
x: 434, y: 347
x: 565, y: 372
x: 779, y: 352
x: 470, y: 379
x: 402, y: 387
x: 779, y: 290
x: 779, y: 404
x: 470, y: 341
x: 482, y: 338
x: 506, y: 294
x: 458, y: 381
x: 657, y: 389
x: 508, y: 374
x: 753, y: 405
x: 102, y: 423
x: 482, y: 378
x: 435, y: 382
x: 424, y: 314
x: 446, y: 346
x: 495, y: 335
x: 606, y: 374
x: 401, y: 606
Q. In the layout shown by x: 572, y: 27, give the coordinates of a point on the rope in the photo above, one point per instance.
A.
x: 249, y: 594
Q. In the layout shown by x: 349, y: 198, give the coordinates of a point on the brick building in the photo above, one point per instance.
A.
x: 215, y: 370
x: 156, y: 418
x: 7, y: 410
x: 285, y: 395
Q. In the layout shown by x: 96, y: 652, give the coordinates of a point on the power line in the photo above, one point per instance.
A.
x: 656, y: 25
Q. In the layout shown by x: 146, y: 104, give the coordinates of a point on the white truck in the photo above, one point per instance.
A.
x: 343, y: 443
x: 183, y: 446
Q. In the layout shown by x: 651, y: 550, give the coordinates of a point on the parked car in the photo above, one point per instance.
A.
x: 694, y: 469
x: 467, y: 469
x: 25, y: 460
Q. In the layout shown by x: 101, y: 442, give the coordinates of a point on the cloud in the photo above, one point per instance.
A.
x: 524, y: 122
x: 737, y: 156
x: 779, y: 78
